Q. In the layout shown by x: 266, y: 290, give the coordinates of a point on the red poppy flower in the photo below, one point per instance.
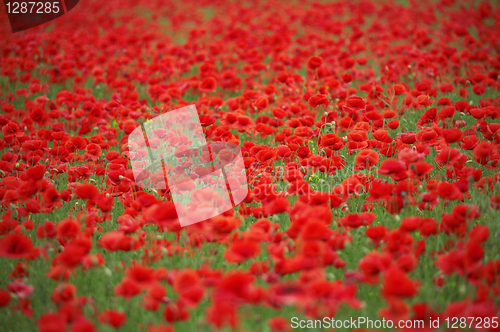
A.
x: 104, y: 202
x: 86, y: 192
x: 423, y: 101
x: 357, y: 135
x: 35, y: 173
x: 52, y: 322
x: 372, y: 264
x: 376, y: 233
x: 242, y: 250
x: 452, y: 135
x: 318, y: 99
x: 127, y: 288
x: 82, y: 324
x: 410, y: 224
x: 420, y: 169
x: 426, y: 135
x: 4, y: 298
x: 244, y: 124
x: 355, y: 220
x: 347, y: 77
x: 76, y: 143
x: 393, y: 124
x: 261, y: 103
x: 265, y: 155
x: 428, y: 226
x: 393, y: 168
x: 15, y: 245
x: 469, y: 142
x: 353, y: 104
x: 303, y: 132
x: 141, y: 275
x: 314, y: 62
x: 68, y: 228
x: 113, y: 318
x: 397, y: 283
x: 112, y: 155
x: 478, y: 113
x: 21, y: 289
x: 63, y: 293
x: 449, y: 191
x: 277, y: 205
x: 483, y: 152
x: 175, y: 312
x: 332, y: 141
x: 365, y: 159
x: 398, y: 89
x: 94, y: 151
x: 208, y: 84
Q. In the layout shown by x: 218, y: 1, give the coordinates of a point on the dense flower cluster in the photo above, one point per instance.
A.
x: 369, y: 131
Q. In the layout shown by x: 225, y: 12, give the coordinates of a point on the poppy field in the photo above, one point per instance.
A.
x: 369, y: 132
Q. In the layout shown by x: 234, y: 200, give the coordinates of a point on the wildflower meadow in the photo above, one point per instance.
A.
x: 369, y: 134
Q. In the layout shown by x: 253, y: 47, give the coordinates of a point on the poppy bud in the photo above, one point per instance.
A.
x: 2, y: 172
x: 107, y: 271
x: 347, y: 78
x: 314, y: 62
